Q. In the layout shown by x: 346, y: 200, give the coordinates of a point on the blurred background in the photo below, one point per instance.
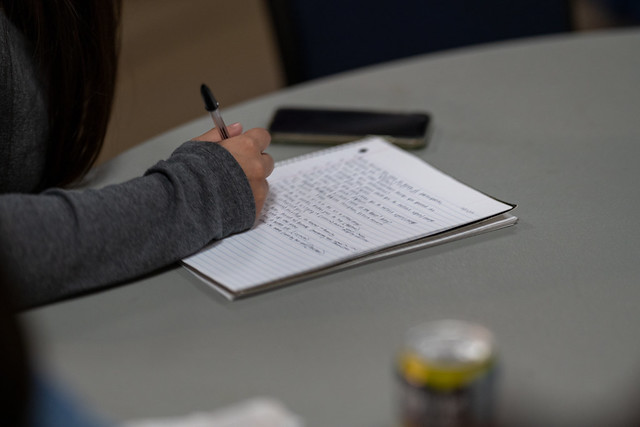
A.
x: 247, y: 48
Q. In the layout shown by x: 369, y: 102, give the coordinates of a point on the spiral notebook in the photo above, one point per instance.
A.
x: 343, y: 206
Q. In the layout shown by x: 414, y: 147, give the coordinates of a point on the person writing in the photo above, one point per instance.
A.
x: 57, y: 78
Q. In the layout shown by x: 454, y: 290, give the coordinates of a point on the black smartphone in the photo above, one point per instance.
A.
x: 334, y: 126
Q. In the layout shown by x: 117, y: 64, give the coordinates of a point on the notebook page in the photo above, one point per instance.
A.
x: 338, y: 204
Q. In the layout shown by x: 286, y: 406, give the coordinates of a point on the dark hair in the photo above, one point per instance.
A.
x: 76, y: 45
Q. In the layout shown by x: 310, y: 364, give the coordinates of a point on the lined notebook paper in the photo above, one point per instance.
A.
x: 342, y: 206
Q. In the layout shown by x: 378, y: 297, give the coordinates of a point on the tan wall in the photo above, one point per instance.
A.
x: 589, y: 15
x: 170, y: 47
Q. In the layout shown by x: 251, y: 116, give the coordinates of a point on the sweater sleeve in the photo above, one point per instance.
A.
x: 64, y: 242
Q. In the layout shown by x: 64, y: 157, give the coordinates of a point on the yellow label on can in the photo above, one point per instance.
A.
x: 419, y: 372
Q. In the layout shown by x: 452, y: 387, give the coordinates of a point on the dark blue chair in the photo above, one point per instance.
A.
x: 626, y: 12
x: 322, y: 37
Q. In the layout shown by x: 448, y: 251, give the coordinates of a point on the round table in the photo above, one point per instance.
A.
x: 551, y: 124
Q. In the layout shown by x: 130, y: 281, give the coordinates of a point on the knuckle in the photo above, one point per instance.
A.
x: 259, y: 136
x: 260, y: 169
x: 256, y: 169
x: 250, y: 143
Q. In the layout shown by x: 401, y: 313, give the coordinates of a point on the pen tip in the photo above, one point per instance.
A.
x: 210, y: 102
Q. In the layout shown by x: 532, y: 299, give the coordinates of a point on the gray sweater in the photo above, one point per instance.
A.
x: 60, y: 243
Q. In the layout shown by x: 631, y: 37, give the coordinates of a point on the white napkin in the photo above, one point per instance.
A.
x: 257, y: 412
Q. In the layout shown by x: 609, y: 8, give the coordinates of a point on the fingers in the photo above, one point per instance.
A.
x: 260, y: 137
x: 268, y: 163
x: 254, y: 140
x: 248, y: 150
x: 213, y: 135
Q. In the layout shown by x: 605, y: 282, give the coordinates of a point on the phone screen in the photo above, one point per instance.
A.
x: 328, y: 125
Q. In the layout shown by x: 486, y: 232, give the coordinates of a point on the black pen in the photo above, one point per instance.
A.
x: 211, y: 105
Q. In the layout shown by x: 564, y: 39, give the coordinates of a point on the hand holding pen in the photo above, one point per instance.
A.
x: 247, y: 148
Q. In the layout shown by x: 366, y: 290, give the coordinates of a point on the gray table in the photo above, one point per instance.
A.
x: 551, y: 124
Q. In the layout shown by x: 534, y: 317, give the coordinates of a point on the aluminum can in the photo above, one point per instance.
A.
x: 446, y: 375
